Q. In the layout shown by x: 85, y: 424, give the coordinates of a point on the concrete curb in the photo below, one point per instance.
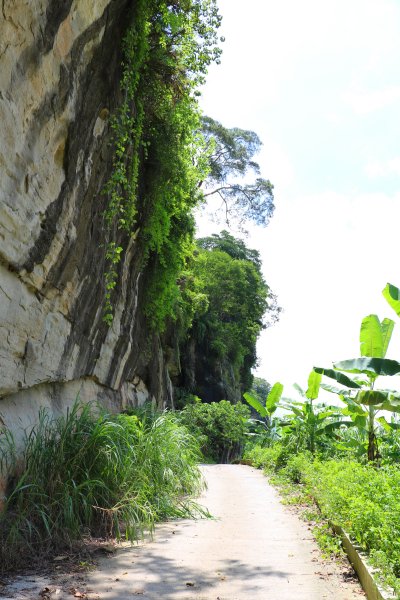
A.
x: 359, y: 561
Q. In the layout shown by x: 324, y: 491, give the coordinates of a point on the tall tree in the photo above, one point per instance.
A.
x: 230, y: 154
x: 220, y: 349
x: 236, y: 248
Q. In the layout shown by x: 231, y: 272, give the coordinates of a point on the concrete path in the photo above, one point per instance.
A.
x: 255, y: 549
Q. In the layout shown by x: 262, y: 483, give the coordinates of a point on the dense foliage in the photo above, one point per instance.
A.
x: 237, y: 299
x: 166, y: 152
x: 226, y: 282
x: 220, y: 426
x: 99, y: 475
x: 159, y: 154
x: 260, y: 388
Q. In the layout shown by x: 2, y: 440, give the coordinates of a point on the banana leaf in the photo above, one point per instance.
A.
x: 392, y: 294
x: 394, y: 395
x: 296, y: 411
x: 314, y: 381
x: 335, y: 425
x: 371, y: 343
x: 273, y: 398
x: 391, y: 406
x: 359, y: 421
x: 337, y: 376
x: 299, y: 389
x: 388, y: 426
x: 329, y: 413
x: 256, y: 404
x: 353, y: 409
x: 369, y: 366
x: 336, y: 390
x: 387, y: 327
x: 372, y: 397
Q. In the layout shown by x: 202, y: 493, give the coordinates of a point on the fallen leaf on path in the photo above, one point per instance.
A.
x: 77, y: 594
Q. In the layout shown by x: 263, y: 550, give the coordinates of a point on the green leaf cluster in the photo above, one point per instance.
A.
x: 220, y: 426
x: 158, y: 156
x: 365, y: 502
x: 227, y: 327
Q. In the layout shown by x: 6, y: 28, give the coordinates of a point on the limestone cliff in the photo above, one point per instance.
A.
x: 59, y: 82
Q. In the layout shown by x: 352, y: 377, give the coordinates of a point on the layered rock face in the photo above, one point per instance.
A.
x: 59, y: 84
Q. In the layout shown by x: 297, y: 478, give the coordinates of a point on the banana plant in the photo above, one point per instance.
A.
x: 357, y: 390
x: 267, y: 410
x: 271, y: 401
x: 306, y: 421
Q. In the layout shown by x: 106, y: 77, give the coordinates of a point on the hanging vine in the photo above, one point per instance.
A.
x: 167, y: 50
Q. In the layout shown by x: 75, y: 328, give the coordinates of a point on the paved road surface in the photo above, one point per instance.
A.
x: 255, y: 549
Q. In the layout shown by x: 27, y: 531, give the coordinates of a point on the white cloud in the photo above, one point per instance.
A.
x: 327, y: 257
x: 376, y: 169
x: 366, y: 101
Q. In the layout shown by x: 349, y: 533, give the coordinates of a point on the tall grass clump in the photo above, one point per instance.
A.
x: 89, y: 475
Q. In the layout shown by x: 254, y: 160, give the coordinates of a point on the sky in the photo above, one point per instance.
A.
x: 319, y: 82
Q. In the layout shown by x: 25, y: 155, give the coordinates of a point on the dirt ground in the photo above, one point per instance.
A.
x: 253, y: 548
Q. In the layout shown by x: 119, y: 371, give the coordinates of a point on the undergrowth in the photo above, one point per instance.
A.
x: 89, y: 475
x: 220, y: 427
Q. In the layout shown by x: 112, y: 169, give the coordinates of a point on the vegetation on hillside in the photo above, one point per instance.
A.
x: 167, y: 154
x: 159, y: 153
x: 229, y: 304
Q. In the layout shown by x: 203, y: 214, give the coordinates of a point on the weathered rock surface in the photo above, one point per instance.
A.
x: 59, y: 82
x: 212, y: 380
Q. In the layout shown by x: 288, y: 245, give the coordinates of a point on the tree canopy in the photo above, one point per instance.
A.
x: 226, y: 242
x: 230, y: 159
x: 226, y: 276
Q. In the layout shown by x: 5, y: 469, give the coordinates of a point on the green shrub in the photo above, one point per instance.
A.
x: 264, y: 458
x: 364, y: 501
x: 297, y: 467
x: 96, y: 475
x: 272, y: 459
x: 221, y: 428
